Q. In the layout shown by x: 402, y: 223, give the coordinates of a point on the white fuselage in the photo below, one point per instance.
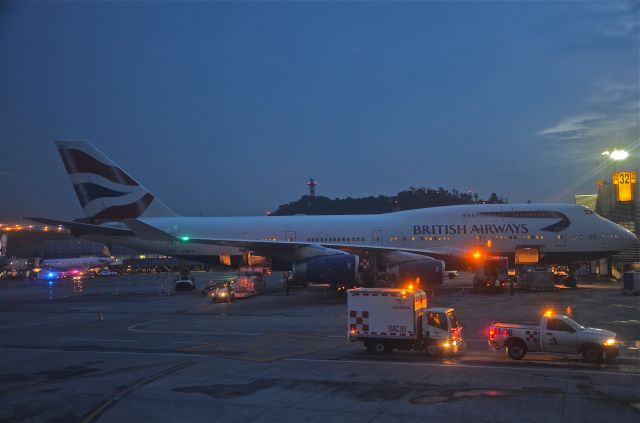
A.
x: 77, y: 263
x: 500, y: 229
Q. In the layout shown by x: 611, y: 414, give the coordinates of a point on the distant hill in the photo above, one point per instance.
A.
x: 413, y: 198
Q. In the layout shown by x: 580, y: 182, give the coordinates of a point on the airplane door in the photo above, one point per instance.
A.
x: 376, y: 237
x: 478, y: 240
x: 561, y: 238
x: 290, y: 236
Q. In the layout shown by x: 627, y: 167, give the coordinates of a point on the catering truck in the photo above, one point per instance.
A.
x: 391, y: 318
x: 556, y: 333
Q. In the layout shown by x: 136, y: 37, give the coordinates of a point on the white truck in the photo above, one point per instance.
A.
x: 391, y: 318
x: 556, y: 333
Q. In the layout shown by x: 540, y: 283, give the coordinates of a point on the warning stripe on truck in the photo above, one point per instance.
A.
x: 377, y: 294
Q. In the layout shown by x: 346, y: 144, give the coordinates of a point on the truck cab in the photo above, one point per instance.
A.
x: 556, y: 333
x: 561, y: 334
x: 441, y: 331
x: 385, y: 319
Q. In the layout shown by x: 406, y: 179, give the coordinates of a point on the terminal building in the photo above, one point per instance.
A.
x: 618, y: 199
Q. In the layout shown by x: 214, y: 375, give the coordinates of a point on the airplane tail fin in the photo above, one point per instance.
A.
x: 106, y: 192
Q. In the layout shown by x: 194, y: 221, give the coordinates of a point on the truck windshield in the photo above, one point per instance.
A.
x: 453, y: 320
x: 575, y: 324
x: 437, y: 320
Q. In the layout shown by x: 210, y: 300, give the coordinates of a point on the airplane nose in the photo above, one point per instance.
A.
x: 628, y: 238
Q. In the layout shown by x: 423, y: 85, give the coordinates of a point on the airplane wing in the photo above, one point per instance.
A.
x: 79, y: 229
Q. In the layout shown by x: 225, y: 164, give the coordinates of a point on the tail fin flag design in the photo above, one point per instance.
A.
x: 106, y: 192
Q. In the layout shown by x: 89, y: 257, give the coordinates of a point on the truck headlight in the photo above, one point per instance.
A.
x: 446, y: 344
x: 609, y: 342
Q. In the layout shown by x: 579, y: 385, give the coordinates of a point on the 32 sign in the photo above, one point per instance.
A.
x: 624, y: 178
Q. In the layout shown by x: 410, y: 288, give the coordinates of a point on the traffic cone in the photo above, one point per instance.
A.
x: 100, y: 317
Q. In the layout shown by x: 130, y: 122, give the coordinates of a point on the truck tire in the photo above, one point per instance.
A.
x: 592, y: 353
x: 380, y: 347
x: 369, y: 346
x: 516, y: 350
x: 431, y: 349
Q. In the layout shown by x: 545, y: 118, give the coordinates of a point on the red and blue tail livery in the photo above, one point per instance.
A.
x: 106, y: 192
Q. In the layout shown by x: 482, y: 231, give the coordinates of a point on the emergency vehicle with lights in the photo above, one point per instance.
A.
x: 557, y: 334
x: 391, y: 318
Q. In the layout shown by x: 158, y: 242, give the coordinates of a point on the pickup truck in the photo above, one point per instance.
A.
x: 385, y: 319
x: 556, y: 333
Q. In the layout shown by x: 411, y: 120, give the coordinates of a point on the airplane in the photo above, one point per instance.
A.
x: 413, y: 244
x: 74, y: 266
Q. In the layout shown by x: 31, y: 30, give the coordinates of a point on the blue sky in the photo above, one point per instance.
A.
x: 226, y: 108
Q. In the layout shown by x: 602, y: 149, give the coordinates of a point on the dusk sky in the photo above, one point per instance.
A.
x: 225, y: 108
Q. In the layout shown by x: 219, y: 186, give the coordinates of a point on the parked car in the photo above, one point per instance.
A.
x: 185, y: 285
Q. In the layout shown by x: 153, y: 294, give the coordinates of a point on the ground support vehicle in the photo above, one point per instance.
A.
x: 184, y: 285
x: 562, y: 276
x: 390, y: 318
x: 555, y: 333
x: 537, y: 280
x: 222, y: 293
x: 288, y: 282
x: 250, y: 282
x: 491, y: 274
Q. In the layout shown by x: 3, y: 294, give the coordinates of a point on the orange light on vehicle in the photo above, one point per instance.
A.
x: 477, y: 254
x: 410, y: 288
x: 548, y: 313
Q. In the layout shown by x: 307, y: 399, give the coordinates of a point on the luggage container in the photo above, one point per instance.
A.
x: 631, y: 283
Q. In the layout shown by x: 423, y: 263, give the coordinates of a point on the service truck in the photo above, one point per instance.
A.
x: 393, y: 318
x: 250, y: 282
x: 556, y: 333
x: 491, y: 274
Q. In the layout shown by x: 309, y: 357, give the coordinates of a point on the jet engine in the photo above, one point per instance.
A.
x: 424, y: 272
x: 337, y: 270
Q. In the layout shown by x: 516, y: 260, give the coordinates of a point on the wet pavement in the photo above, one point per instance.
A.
x: 276, y: 357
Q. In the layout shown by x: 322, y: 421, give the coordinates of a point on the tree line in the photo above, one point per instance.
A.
x: 412, y: 198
